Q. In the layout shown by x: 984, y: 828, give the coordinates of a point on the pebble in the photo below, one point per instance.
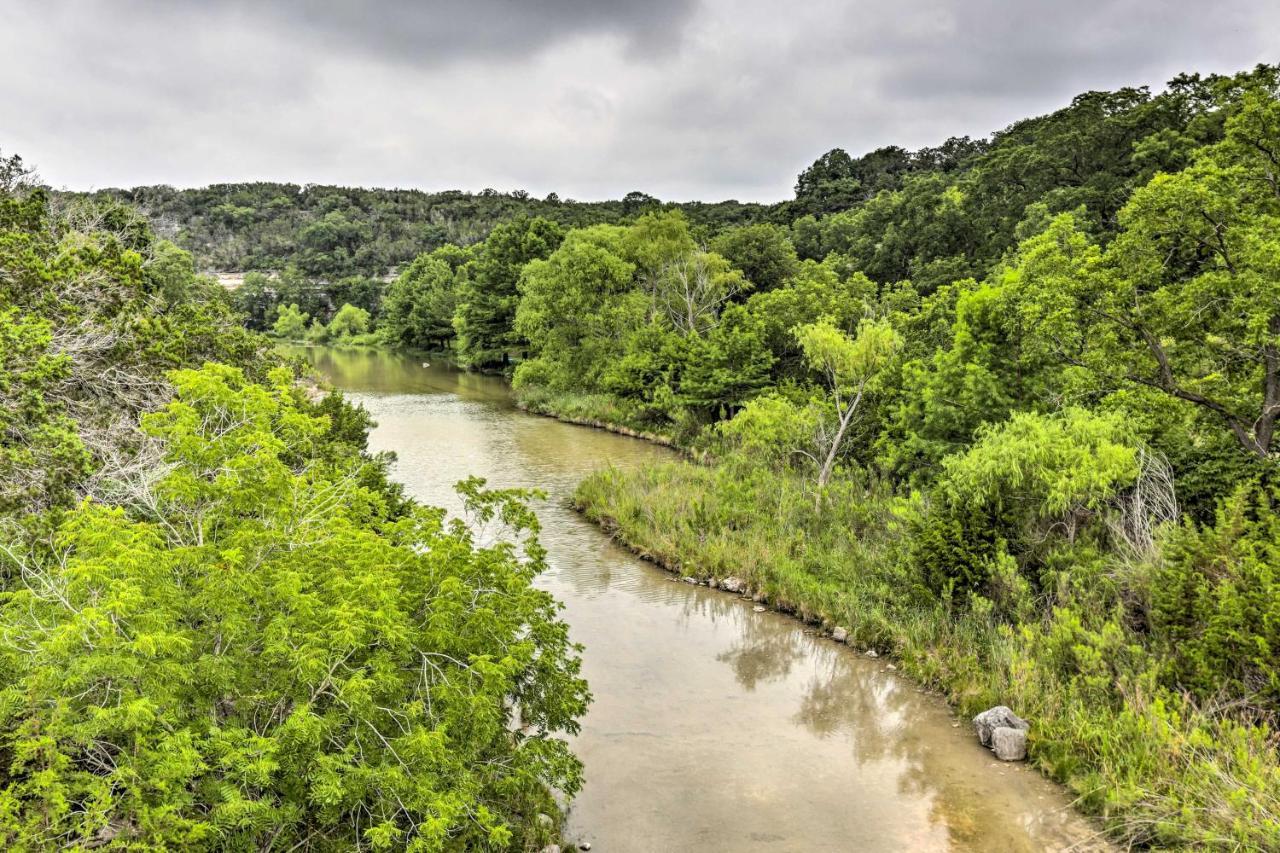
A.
x: 759, y: 609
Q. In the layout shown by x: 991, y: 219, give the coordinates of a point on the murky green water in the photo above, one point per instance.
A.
x: 713, y: 727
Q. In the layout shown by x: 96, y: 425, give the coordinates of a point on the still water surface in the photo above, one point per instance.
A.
x: 713, y: 727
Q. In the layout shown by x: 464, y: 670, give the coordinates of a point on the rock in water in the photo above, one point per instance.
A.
x: 1009, y: 744
x: 839, y: 634
x: 732, y: 584
x: 994, y: 718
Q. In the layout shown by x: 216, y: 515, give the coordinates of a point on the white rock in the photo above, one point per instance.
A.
x: 732, y: 584
x: 839, y: 634
x: 1009, y: 744
x: 994, y: 718
x: 871, y: 653
x: 759, y: 609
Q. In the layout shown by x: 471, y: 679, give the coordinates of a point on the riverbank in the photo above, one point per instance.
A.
x: 1158, y: 771
x: 598, y: 411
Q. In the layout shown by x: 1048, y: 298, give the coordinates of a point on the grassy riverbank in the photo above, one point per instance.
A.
x: 601, y: 411
x: 1160, y: 771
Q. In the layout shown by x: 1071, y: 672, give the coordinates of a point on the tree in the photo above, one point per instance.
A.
x: 265, y: 659
x: 829, y: 184
x: 348, y: 323
x: 763, y: 253
x: 572, y: 310
x: 847, y: 367
x: 291, y: 324
x: 420, y: 304
x: 256, y: 299
x: 1184, y: 300
x: 691, y: 290
x: 487, y: 295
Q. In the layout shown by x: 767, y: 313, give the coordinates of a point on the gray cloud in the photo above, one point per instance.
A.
x: 681, y: 98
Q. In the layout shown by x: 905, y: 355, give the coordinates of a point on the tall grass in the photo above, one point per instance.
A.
x: 1160, y: 772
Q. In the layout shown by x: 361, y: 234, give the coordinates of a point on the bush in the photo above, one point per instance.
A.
x: 1216, y: 605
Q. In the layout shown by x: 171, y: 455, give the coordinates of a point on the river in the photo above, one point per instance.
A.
x: 713, y: 727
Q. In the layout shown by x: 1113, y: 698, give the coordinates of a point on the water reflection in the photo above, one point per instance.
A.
x: 713, y: 727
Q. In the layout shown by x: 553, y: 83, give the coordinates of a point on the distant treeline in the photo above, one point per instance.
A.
x: 328, y: 232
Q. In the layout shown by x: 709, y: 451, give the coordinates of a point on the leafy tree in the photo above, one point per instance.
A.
x: 350, y: 322
x: 1216, y: 607
x: 420, y: 304
x: 256, y: 299
x: 291, y: 324
x: 266, y: 659
x: 487, y: 297
x: 42, y: 456
x: 763, y: 253
x: 847, y: 367
x: 1184, y: 301
x: 829, y: 184
x: 572, y: 309
x: 691, y: 291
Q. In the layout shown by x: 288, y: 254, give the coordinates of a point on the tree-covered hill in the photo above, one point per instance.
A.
x: 329, y: 232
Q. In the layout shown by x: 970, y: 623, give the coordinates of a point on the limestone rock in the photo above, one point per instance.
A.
x: 994, y: 718
x: 1009, y: 744
x: 839, y: 634
x: 732, y: 584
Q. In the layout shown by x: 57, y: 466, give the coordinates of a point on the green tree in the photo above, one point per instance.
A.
x: 488, y: 296
x: 291, y: 323
x: 266, y: 659
x: 763, y: 252
x: 350, y: 322
x: 420, y: 304
x: 1184, y: 301
x: 847, y: 366
x: 573, y: 309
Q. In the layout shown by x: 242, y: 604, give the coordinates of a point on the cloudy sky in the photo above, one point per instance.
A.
x: 682, y: 99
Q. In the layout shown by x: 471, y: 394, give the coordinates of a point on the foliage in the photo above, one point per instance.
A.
x: 487, y: 296
x: 267, y: 658
x: 225, y: 628
x: 1216, y: 605
x: 290, y: 324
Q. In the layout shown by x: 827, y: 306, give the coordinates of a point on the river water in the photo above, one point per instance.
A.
x: 713, y: 727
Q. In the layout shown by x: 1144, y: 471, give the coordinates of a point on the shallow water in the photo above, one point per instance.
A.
x: 713, y: 727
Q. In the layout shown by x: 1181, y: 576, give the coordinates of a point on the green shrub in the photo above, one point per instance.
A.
x: 1217, y: 602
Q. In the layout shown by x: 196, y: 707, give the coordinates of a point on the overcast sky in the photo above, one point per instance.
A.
x: 683, y: 99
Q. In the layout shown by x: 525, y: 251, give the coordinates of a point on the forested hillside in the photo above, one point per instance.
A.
x: 223, y: 627
x: 328, y: 233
